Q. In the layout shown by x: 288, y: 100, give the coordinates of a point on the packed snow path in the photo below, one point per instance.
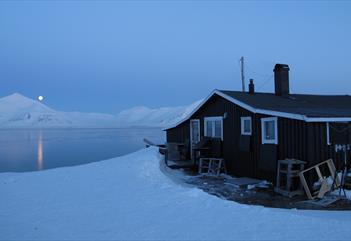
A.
x: 129, y: 198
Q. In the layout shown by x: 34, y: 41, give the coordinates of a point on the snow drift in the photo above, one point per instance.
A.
x: 129, y: 198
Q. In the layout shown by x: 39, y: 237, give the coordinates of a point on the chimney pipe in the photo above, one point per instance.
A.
x: 251, y: 87
x: 281, y: 79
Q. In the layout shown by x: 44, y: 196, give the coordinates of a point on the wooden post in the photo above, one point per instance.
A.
x: 288, y: 177
x: 242, y: 74
x: 278, y: 175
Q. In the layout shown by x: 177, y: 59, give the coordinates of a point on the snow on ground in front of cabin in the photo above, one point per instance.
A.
x: 130, y: 198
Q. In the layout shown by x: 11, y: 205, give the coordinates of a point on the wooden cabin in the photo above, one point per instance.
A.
x: 257, y: 129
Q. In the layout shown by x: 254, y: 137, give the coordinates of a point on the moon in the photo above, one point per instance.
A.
x: 40, y: 98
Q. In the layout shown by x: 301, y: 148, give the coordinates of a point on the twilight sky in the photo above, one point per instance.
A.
x: 112, y: 55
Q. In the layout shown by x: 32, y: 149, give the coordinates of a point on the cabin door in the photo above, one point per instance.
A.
x: 194, y: 134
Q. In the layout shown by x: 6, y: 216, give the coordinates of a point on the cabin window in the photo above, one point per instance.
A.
x: 214, y: 127
x: 246, y: 126
x: 269, y: 127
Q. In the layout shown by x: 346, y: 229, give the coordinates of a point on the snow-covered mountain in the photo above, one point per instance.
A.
x: 18, y: 111
x: 160, y: 117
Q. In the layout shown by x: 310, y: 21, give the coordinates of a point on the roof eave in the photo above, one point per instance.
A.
x: 260, y: 111
x: 191, y: 113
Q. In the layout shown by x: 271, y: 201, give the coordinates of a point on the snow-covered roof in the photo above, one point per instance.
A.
x: 309, y: 108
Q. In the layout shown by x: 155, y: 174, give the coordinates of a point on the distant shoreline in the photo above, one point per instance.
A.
x: 77, y: 128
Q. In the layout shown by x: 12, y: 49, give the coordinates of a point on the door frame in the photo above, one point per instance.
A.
x: 191, y: 134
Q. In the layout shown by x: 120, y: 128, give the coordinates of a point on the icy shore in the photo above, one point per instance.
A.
x: 130, y: 198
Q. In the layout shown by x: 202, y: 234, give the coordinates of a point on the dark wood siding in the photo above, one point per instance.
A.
x: 296, y: 139
x: 239, y: 163
x: 179, y: 134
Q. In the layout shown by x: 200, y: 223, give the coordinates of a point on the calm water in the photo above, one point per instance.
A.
x: 32, y: 150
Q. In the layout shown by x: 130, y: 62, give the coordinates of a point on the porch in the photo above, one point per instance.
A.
x: 204, y: 156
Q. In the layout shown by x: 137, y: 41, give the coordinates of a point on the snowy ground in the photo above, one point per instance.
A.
x: 129, y: 198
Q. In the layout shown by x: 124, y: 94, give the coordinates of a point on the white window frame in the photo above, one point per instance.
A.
x: 264, y: 140
x: 191, y: 133
x: 213, y: 118
x: 328, y: 134
x: 243, y: 119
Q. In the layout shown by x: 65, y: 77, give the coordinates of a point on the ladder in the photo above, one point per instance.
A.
x: 212, y: 166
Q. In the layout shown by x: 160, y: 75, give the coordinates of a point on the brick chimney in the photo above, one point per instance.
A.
x: 251, y: 87
x: 281, y: 79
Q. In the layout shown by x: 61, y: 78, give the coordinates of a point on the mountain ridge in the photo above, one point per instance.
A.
x: 19, y: 111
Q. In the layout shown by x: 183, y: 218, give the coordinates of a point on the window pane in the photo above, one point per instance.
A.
x: 269, y: 130
x: 218, y: 128
x: 247, y: 126
x: 209, y: 128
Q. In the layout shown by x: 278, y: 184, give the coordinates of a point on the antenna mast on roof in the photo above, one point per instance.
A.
x: 242, y: 73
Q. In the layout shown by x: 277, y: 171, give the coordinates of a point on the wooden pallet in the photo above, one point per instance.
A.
x: 325, y: 187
